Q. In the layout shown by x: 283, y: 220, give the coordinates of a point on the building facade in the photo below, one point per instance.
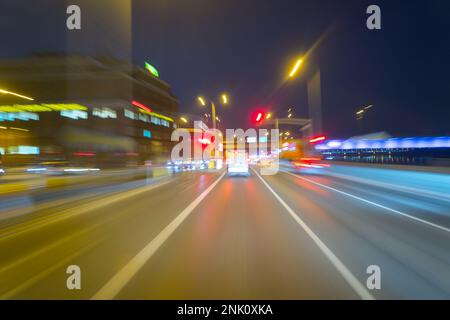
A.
x: 84, y: 109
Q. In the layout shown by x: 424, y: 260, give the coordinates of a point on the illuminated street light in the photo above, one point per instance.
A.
x: 15, y: 94
x: 317, y: 139
x: 360, y: 113
x: 202, y: 101
x: 268, y: 116
x: 224, y: 99
x: 287, y: 133
x: 290, y: 115
x: 295, y: 69
x: 184, y: 119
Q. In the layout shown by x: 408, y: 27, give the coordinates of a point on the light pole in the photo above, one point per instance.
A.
x: 214, y: 118
x: 15, y: 94
x: 297, y: 65
x: 314, y: 97
x: 202, y: 102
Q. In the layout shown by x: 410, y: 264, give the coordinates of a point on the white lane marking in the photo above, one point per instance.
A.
x: 121, y: 278
x: 343, y: 270
x: 422, y: 192
x: 372, y: 203
x: 90, y: 205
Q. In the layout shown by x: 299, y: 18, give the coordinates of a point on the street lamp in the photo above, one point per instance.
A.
x: 313, y: 84
x: 214, y: 118
x: 16, y: 94
x: 360, y: 113
x: 183, y: 119
x: 202, y: 101
x: 295, y: 68
x: 224, y: 99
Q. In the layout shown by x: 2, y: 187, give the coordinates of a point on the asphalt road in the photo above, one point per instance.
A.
x: 208, y: 236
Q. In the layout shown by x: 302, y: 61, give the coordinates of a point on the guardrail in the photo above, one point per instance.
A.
x: 36, y: 182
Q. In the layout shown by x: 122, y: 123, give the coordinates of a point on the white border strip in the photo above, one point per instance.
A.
x: 120, y: 279
x: 343, y: 270
x: 373, y: 203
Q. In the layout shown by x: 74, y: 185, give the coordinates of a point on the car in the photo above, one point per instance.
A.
x: 309, y: 165
x: 238, y: 166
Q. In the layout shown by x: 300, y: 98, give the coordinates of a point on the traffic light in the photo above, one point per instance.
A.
x: 258, y: 117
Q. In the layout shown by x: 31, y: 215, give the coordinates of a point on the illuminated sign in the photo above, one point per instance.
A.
x: 23, y: 150
x: 41, y: 107
x: 317, y: 139
x: 152, y: 69
x: 140, y: 105
x: 24, y: 116
x: 147, y: 134
x: 104, y: 113
x: 74, y: 114
x: 157, y: 115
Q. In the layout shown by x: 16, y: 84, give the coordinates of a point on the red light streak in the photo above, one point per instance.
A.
x: 314, y: 140
x: 84, y: 154
x: 140, y: 105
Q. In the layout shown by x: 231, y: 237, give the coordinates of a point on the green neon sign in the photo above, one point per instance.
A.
x: 152, y: 69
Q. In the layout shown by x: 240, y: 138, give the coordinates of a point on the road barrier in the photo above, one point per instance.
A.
x: 32, y: 183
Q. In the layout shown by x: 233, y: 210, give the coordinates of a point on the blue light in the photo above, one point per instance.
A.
x: 392, y: 143
x: 147, y: 134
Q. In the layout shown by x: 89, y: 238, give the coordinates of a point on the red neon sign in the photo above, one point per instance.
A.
x: 140, y: 105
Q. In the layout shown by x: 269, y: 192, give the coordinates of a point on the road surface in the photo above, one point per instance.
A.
x: 203, y: 235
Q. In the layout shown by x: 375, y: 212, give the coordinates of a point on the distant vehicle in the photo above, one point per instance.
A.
x: 238, y: 165
x: 301, y: 157
x: 312, y: 165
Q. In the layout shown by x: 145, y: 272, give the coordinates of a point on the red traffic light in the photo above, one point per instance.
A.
x: 258, y: 117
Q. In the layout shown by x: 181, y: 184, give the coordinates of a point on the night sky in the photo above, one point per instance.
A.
x: 245, y: 47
